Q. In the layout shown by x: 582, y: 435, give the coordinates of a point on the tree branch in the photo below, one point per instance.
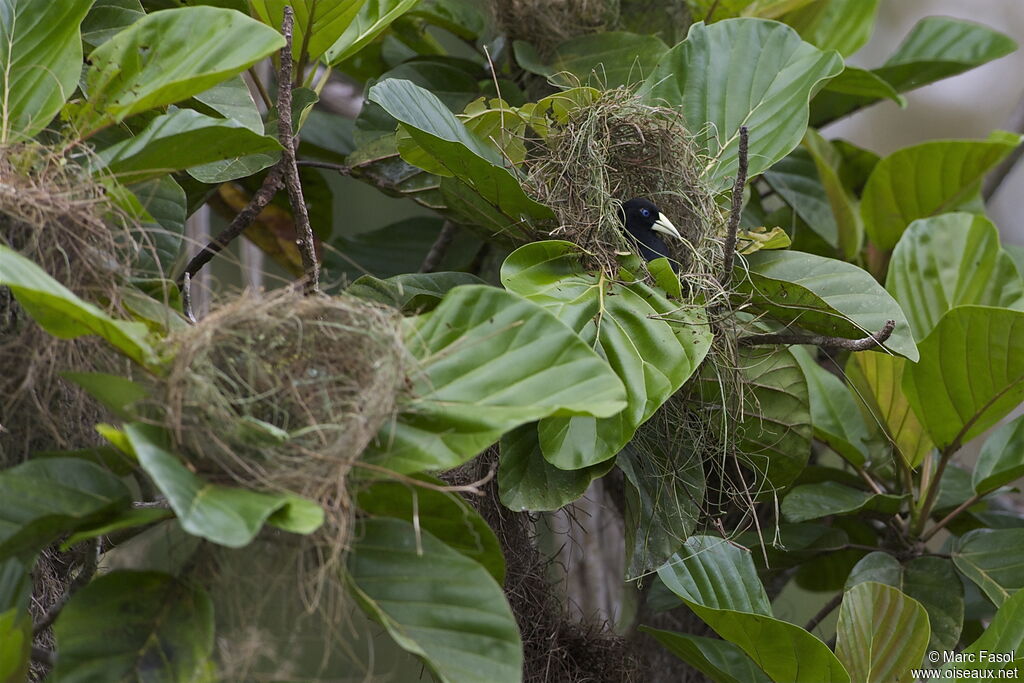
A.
x: 793, y: 338
x: 735, y: 210
x: 438, y: 249
x: 285, y: 131
x: 244, y: 218
x: 825, y: 610
x: 310, y: 163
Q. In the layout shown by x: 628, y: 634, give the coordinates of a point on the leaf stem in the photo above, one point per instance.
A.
x: 952, y: 515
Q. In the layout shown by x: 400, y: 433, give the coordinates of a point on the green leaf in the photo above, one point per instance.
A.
x: 1005, y: 634
x: 129, y: 519
x: 167, y: 57
x: 467, y: 157
x: 15, y: 645
x: 1002, y: 458
x: 178, y: 140
x: 612, y: 58
x: 841, y: 25
x: 719, y: 582
x: 42, y: 499
x: 131, y: 625
x: 113, y: 391
x: 162, y: 225
x: 445, y: 515
x: 993, y: 559
x: 936, y: 48
x: 830, y: 165
x: 436, y: 603
x: 40, y: 62
x: 882, y: 633
x: 489, y: 362
x: 231, y: 99
x: 822, y: 295
x: 652, y: 344
x: 971, y: 373
x: 527, y: 481
x: 877, y: 566
x: 796, y: 180
x: 951, y: 260
x: 720, y: 660
x: 934, y: 583
x: 64, y: 315
x: 835, y: 414
x: 877, y: 378
x: 862, y: 83
x: 411, y: 292
x: 107, y: 18
x: 373, y: 19
x: 813, y: 501
x: 227, y: 516
x: 318, y: 23
x: 742, y: 72
x: 927, y: 179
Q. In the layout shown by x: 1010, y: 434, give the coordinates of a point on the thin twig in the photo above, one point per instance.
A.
x: 186, y: 297
x: 340, y: 168
x: 285, y: 131
x: 824, y: 341
x: 952, y: 515
x: 88, y: 570
x: 260, y: 88
x: 735, y: 210
x: 995, y: 179
x: 824, y: 612
x: 439, y: 248
x: 244, y: 218
x: 474, y: 487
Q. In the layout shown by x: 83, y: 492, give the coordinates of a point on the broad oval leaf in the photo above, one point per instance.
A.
x: 652, y: 344
x: 40, y: 62
x: 227, y: 516
x: 721, y: 660
x: 373, y: 19
x: 822, y: 295
x: 107, y: 18
x: 1001, y: 460
x: 797, y: 181
x: 951, y: 260
x: 927, y: 179
x: 1004, y: 634
x: 841, y: 25
x: 971, y: 373
x: 64, y: 315
x: 742, y: 72
x: 882, y: 633
x: 411, y: 292
x: 134, y: 625
x: 454, y: 614
x: 836, y: 417
x: 813, y: 501
x: 318, y: 23
x: 934, y: 583
x: 610, y: 59
x: 713, y: 572
x: 993, y: 559
x: 489, y: 361
x: 167, y: 57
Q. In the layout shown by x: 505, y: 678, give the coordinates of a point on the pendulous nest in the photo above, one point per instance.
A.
x: 610, y: 150
x: 546, y: 23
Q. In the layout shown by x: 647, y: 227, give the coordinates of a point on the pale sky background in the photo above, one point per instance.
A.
x: 968, y: 106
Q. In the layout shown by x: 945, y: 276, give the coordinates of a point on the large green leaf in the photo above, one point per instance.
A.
x: 465, y: 155
x: 610, y: 59
x: 925, y: 180
x: 814, y: 501
x: 742, y: 72
x: 527, y: 481
x: 934, y: 583
x: 178, y: 140
x: 795, y: 178
x: 318, y: 23
x: 436, y: 603
x: 830, y: 165
x: 42, y: 499
x: 822, y: 295
x: 489, y: 361
x: 411, y: 292
x: 40, y: 62
x: 841, y: 25
x: 1004, y: 635
x: 877, y: 378
x: 719, y: 582
x: 936, y: 48
x: 722, y: 661
x: 107, y: 18
x: 164, y: 208
x: 64, y: 315
x: 227, y: 516
x: 15, y: 645
x: 882, y: 633
x: 971, y: 373
x: 653, y: 344
x: 951, y: 260
x: 445, y: 515
x: 129, y: 625
x: 835, y: 414
x: 1002, y: 458
x: 167, y: 57
x: 993, y: 559
x: 373, y: 19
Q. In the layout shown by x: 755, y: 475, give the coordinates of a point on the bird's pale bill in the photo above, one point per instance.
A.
x: 664, y: 226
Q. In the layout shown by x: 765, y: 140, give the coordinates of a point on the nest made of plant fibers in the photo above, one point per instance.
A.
x: 56, y: 215
x: 546, y: 23
x: 611, y: 150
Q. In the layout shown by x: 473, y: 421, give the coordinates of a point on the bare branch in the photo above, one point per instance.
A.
x: 340, y: 168
x: 438, y: 249
x: 793, y: 338
x: 825, y: 610
x: 735, y: 210
x: 285, y: 131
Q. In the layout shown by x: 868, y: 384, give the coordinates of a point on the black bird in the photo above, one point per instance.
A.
x: 643, y: 221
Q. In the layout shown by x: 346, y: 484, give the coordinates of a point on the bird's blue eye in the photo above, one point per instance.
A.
x: 645, y: 213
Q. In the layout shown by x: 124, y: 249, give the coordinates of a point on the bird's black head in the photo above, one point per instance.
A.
x: 645, y: 224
